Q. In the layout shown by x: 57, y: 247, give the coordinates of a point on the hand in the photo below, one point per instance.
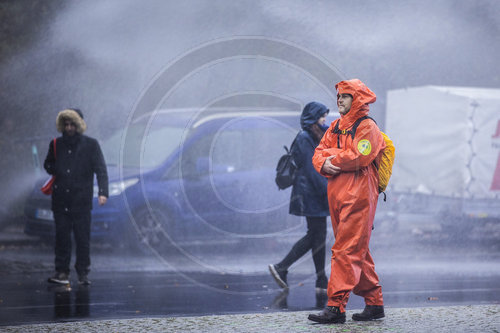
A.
x: 102, y: 200
x: 329, y: 168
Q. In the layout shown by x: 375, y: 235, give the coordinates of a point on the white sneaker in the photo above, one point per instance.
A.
x: 59, y: 278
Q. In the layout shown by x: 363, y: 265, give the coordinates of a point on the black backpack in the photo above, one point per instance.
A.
x: 285, y: 170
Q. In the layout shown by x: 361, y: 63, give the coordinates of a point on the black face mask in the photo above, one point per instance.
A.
x: 323, y: 127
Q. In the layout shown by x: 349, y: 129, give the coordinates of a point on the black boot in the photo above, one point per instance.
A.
x: 330, y: 315
x: 370, y: 312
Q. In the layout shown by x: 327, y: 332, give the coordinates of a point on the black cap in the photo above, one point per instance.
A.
x: 77, y: 111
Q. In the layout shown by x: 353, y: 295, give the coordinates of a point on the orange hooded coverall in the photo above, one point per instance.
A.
x: 352, y: 197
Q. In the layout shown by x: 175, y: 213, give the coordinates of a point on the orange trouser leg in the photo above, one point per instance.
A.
x: 352, y: 225
x: 368, y: 286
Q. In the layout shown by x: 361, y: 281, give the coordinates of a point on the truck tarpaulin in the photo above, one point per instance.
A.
x: 448, y: 141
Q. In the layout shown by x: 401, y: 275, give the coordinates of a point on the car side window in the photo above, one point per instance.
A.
x: 250, y: 149
x: 193, y: 160
x: 243, y: 145
x: 227, y: 152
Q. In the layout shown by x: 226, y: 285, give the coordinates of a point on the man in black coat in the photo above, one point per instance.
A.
x: 73, y: 163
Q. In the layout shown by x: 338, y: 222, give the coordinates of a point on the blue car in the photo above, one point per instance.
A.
x: 187, y: 176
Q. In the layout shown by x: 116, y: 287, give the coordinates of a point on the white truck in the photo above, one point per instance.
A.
x: 447, y: 166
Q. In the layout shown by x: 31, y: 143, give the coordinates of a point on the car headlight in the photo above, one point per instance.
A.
x: 116, y: 188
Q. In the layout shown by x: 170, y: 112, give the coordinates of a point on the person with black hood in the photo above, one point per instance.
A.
x: 74, y: 162
x: 309, y: 198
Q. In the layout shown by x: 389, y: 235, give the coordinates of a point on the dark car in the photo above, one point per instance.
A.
x: 181, y: 176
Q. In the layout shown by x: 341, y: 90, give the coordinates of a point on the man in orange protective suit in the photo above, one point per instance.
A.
x: 350, y: 164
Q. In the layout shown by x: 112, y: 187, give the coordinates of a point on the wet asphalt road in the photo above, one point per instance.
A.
x: 413, y: 273
x: 29, y: 299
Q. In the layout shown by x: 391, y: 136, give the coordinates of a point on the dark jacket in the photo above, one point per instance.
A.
x: 309, y: 195
x: 78, y: 159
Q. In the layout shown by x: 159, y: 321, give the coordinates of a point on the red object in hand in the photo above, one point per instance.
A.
x: 47, y: 186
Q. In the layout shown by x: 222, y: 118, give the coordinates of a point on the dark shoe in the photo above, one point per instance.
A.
x: 321, y: 284
x: 330, y: 315
x: 370, y: 312
x: 83, y: 280
x: 279, y: 275
x: 59, y: 278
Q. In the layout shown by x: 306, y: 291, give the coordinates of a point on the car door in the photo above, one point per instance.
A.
x: 242, y: 161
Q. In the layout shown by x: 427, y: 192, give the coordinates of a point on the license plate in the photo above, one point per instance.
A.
x: 44, y: 214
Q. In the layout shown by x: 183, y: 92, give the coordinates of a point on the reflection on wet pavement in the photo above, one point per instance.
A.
x: 28, y: 299
x: 69, y: 303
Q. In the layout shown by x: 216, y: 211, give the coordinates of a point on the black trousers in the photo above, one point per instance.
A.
x: 79, y: 224
x: 313, y: 240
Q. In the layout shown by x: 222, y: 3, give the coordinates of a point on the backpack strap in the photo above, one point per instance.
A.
x: 356, y: 124
x: 336, y: 130
x: 294, y: 141
x: 352, y: 131
x: 55, y: 155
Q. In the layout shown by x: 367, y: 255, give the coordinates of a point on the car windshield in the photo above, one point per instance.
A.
x: 155, y: 145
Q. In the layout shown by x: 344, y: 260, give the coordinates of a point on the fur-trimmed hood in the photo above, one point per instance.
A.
x: 74, y: 117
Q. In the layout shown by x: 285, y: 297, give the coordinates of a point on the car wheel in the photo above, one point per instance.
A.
x: 154, y: 229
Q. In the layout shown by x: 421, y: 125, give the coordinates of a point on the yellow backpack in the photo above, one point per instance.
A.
x: 388, y: 154
x: 385, y: 165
